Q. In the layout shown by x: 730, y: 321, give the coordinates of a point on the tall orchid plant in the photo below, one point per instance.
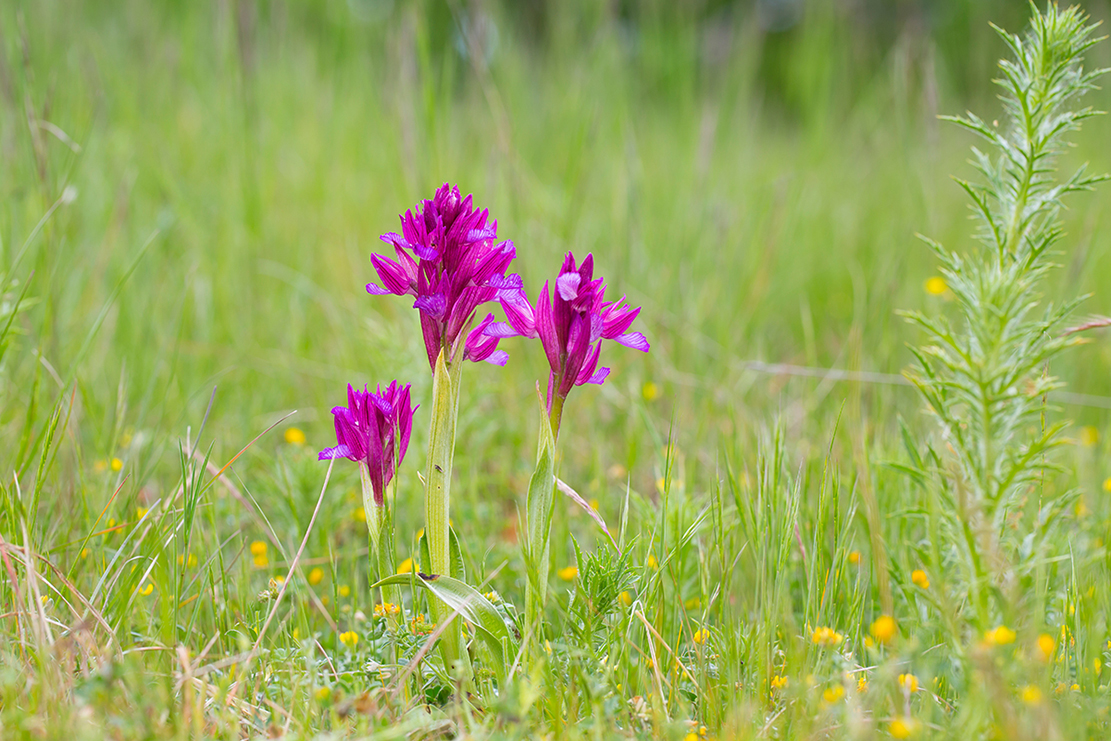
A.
x: 448, y: 259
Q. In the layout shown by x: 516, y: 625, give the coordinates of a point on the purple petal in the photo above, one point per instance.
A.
x: 434, y: 305
x: 568, y: 286
x: 394, y: 277
x: 340, y: 451
x: 478, y: 235
x: 546, y: 330
x: 501, y: 330
x: 425, y: 252
x: 599, y: 376
x: 377, y: 291
x: 396, y: 240
x: 519, y: 313
x: 634, y: 340
x: 430, y: 328
x: 498, y: 357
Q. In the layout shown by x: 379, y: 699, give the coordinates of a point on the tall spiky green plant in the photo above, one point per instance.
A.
x: 985, y: 374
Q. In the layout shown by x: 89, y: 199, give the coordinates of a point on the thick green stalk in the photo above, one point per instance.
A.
x: 541, y: 500
x: 437, y: 500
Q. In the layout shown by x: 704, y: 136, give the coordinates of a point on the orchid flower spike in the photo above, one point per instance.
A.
x: 454, y: 267
x: 373, y: 430
x: 571, y: 323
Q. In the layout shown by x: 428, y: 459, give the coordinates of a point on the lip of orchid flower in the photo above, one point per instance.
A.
x: 456, y: 266
x: 571, y: 322
x: 374, y: 430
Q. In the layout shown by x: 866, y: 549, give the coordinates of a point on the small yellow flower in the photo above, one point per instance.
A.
x: 701, y: 636
x: 567, y: 573
x: 780, y: 682
x: 594, y: 504
x: 1046, y: 646
x: 548, y: 647
x: 139, y: 512
x: 693, y: 603
x: 316, y: 575
x: 903, y: 728
x: 651, y: 562
x: 908, y: 682
x: 261, y: 562
x: 344, y: 590
x: 84, y: 553
x: 826, y: 637
x: 493, y: 596
x: 649, y: 391
x: 918, y: 576
x: 862, y: 684
x: 854, y: 558
x: 1031, y: 695
x: 146, y: 589
x: 102, y: 465
x: 349, y: 639
x: 626, y: 598
x: 692, y: 736
x: 884, y: 628
x: 1107, y: 484
x: 358, y: 514
x: 1000, y: 635
x: 833, y: 694
x: 190, y: 563
x: 111, y: 522
x: 294, y: 436
x: 1089, y: 436
x: 323, y: 693
x: 935, y: 286
x: 408, y: 566
x: 117, y: 464
x: 258, y: 548
x: 382, y: 609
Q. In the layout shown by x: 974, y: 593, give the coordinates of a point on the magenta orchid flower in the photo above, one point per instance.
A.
x: 373, y: 430
x: 571, y: 325
x: 454, y: 268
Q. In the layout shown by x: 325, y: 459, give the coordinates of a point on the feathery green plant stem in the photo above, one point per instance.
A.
x: 437, y: 502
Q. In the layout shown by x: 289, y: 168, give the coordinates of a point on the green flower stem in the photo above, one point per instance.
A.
x: 541, y: 500
x: 379, y: 521
x: 437, y: 501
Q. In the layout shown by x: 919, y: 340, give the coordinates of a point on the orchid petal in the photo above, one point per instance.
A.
x: 634, y: 340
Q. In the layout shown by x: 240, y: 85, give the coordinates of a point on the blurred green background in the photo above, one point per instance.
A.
x: 752, y: 173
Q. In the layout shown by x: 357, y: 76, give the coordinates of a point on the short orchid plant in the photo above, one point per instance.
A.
x: 448, y: 259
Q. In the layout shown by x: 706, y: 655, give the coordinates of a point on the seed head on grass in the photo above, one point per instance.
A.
x: 448, y: 261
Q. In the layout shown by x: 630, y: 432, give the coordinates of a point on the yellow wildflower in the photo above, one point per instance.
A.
x: 625, y: 598
x: 1046, y: 646
x: 1000, y: 635
x: 833, y: 694
x: 382, y: 609
x: 349, y: 639
x: 191, y: 563
x: 1089, y: 436
x: 493, y: 596
x: 408, y: 566
x: 102, y: 465
x: 316, y: 575
x: 903, y: 728
x: 258, y: 548
x: 294, y: 436
x: 780, y: 682
x: 117, y: 464
x: 146, y: 589
x: 862, y: 684
x: 594, y: 504
x: 84, y: 553
x: 323, y: 693
x: 884, y: 628
x: 693, y: 603
x: 567, y: 573
x: 1031, y: 695
x: 935, y: 286
x: 918, y: 576
x: 826, y: 637
x: 854, y: 558
x: 651, y: 562
x: 344, y: 590
x: 139, y: 512
x: 358, y: 514
x: 908, y: 682
x: 1107, y: 484
x: 261, y: 562
x: 649, y: 391
x: 701, y: 636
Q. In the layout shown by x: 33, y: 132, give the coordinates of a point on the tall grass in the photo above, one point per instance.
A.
x: 229, y: 167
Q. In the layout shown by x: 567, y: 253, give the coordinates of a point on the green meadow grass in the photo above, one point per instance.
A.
x: 197, y: 298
